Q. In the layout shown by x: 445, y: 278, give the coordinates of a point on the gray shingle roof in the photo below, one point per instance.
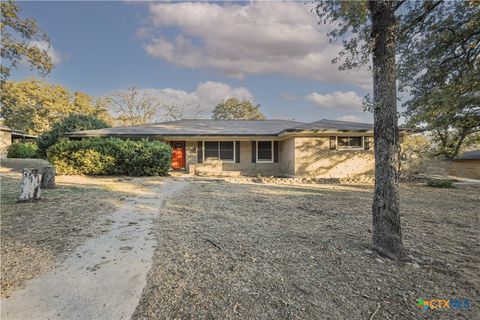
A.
x: 195, y: 127
x: 332, y: 125
x: 471, y: 155
x: 208, y: 127
x: 337, y: 125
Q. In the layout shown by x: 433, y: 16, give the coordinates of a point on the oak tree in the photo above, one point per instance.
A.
x: 444, y: 98
x: 179, y: 112
x: 34, y: 106
x: 18, y: 38
x: 382, y: 30
x: 233, y: 108
x: 134, y: 106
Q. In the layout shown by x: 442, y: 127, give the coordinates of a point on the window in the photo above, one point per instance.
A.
x: 227, y: 150
x: 264, y: 151
x: 211, y: 150
x: 350, y: 142
x: 223, y: 150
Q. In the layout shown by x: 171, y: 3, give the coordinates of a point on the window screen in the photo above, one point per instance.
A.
x: 355, y: 142
x: 264, y: 150
x: 223, y: 150
x: 350, y: 142
x: 211, y: 150
x: 342, y: 141
x: 226, y: 150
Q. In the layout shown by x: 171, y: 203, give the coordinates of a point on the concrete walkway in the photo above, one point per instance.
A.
x: 102, y: 279
x: 466, y: 181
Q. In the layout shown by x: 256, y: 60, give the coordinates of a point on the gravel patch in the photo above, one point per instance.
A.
x: 257, y: 251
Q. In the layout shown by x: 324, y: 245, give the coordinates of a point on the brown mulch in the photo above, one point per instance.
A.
x: 251, y: 251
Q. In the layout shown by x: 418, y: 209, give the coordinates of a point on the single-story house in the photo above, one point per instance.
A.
x: 325, y: 148
x: 8, y: 136
x: 466, y: 165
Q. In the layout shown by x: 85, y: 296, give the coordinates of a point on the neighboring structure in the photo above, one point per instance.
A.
x: 5, y: 139
x: 466, y: 165
x: 325, y: 148
x: 8, y: 136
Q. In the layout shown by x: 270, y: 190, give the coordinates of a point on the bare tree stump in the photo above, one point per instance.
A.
x: 48, y: 178
x: 30, y: 185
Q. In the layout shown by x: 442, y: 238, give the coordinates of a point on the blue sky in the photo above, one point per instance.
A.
x: 196, y: 54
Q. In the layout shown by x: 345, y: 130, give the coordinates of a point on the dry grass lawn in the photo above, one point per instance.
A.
x: 252, y: 251
x: 35, y: 236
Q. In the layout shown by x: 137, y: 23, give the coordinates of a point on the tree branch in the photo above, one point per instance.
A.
x: 398, y: 5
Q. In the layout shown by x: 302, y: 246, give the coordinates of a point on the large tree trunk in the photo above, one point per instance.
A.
x: 30, y: 185
x: 387, y: 235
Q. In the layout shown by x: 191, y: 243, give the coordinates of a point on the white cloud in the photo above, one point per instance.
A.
x: 251, y: 38
x: 351, y: 118
x: 336, y: 100
x: 206, y: 96
x: 56, y: 56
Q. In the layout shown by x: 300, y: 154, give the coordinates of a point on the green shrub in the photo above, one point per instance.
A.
x: 440, y: 183
x: 22, y: 150
x: 73, y: 122
x: 110, y: 156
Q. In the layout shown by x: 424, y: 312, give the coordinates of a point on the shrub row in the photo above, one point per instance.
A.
x: 110, y: 156
x: 440, y: 183
x: 25, y: 150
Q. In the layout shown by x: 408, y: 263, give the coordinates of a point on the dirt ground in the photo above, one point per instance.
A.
x: 36, y: 236
x: 255, y: 251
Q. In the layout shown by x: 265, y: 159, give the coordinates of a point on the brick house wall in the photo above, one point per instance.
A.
x: 465, y: 168
x: 297, y: 156
x: 313, y: 157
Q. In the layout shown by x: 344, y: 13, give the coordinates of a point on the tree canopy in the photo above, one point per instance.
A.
x: 438, y: 48
x: 34, y: 106
x: 18, y: 38
x: 441, y: 72
x: 178, y: 112
x: 450, y: 112
x: 74, y: 122
x: 235, y: 109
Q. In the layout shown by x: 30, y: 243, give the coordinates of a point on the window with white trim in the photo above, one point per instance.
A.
x: 264, y: 151
x: 350, y: 142
x: 219, y: 150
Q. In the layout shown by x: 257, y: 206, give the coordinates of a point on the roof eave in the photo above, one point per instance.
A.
x: 326, y: 131
x: 17, y: 134
x: 144, y: 135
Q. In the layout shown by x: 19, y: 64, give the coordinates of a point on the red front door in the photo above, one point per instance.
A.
x: 178, y: 154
